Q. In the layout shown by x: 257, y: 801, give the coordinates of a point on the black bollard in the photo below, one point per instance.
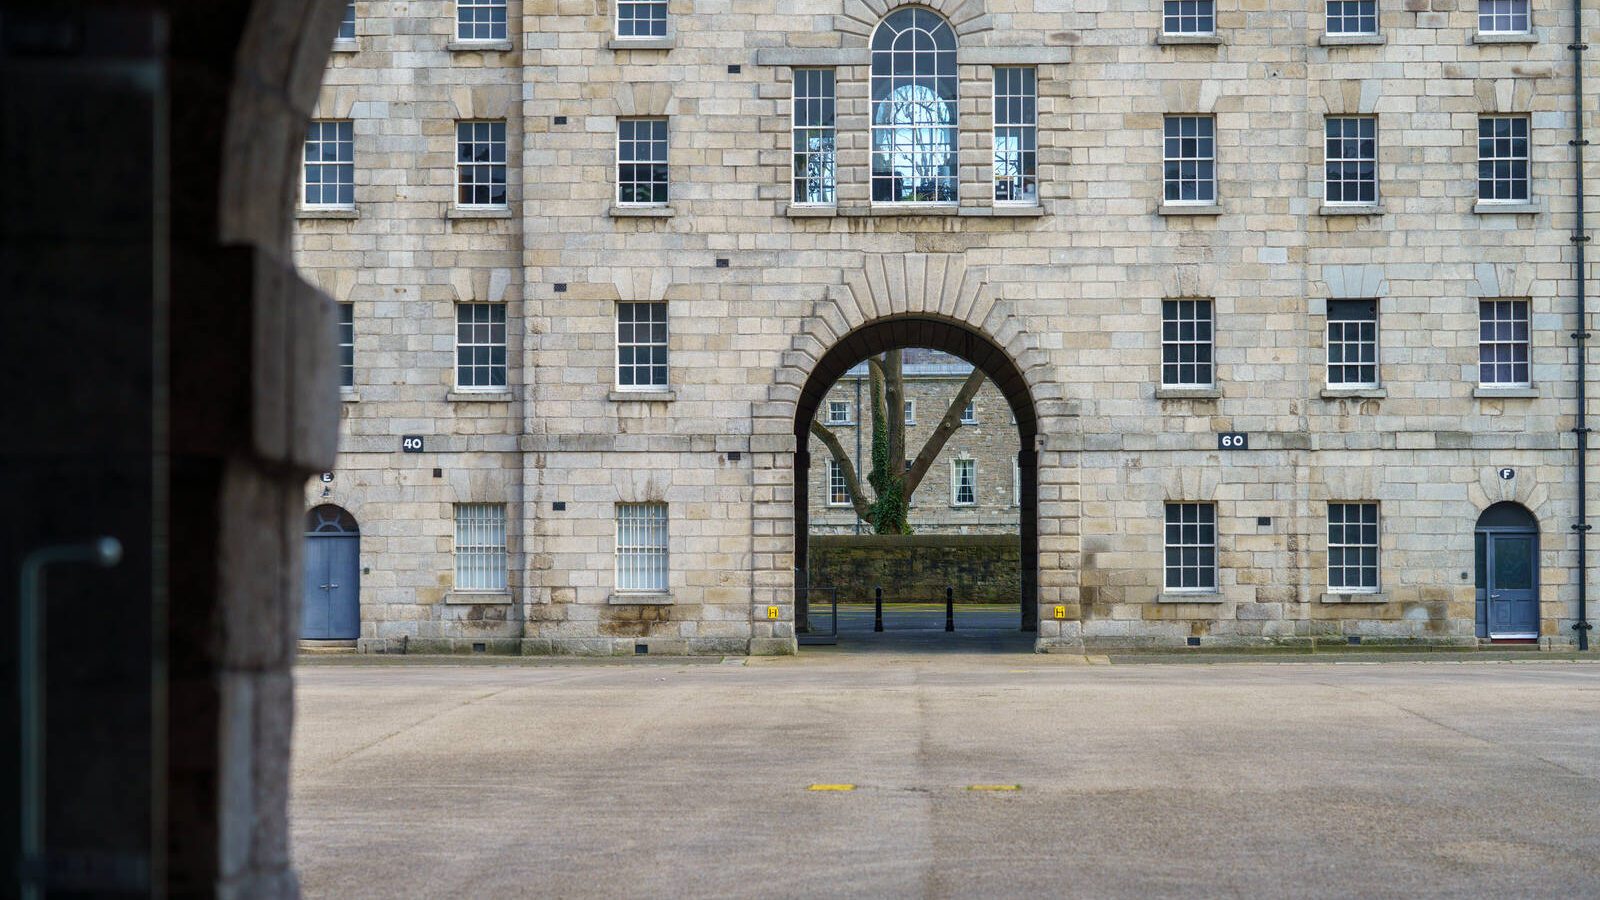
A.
x: 877, y: 612
x: 949, y: 609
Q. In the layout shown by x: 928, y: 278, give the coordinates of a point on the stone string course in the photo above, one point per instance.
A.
x: 1072, y: 296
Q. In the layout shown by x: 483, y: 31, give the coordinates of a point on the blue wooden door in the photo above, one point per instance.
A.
x: 332, y: 587
x: 1513, y: 585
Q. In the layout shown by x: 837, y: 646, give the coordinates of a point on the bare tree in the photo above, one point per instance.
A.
x: 892, y: 480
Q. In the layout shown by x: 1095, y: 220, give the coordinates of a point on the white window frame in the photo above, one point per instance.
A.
x: 874, y: 112
x: 1510, y: 13
x: 911, y: 412
x: 843, y: 406
x: 969, y: 413
x: 616, y: 175
x: 1167, y: 544
x: 1327, y: 160
x: 957, y: 465
x: 480, y: 549
x: 1329, y: 18
x: 1165, y: 19
x: 1525, y: 320
x: 305, y: 164
x: 643, y: 566
x: 828, y: 133
x: 1028, y: 125
x: 1016, y: 481
x: 483, y: 4
x: 837, y: 486
x: 347, y: 346
x: 1375, y: 545
x: 1377, y: 348
x: 1214, y: 181
x: 665, y: 344
x: 1526, y: 160
x: 340, y: 39
x: 1210, y: 342
x: 489, y: 345
x: 504, y: 163
x: 666, y: 20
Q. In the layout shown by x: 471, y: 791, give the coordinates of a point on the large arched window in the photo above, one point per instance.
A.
x: 914, y: 157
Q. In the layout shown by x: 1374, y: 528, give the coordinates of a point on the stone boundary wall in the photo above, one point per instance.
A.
x: 983, y: 568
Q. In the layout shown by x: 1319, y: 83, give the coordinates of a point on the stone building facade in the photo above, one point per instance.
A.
x: 1185, y: 216
x: 981, y: 457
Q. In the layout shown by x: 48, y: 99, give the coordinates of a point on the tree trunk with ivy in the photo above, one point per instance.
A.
x: 893, y: 478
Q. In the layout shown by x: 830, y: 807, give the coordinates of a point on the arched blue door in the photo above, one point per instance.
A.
x: 333, y: 576
x: 1507, y: 542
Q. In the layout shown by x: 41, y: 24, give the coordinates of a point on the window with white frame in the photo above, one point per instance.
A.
x: 815, y: 179
x: 1186, y: 343
x: 641, y: 18
x: 1351, y: 162
x: 481, y: 20
x: 1352, y: 548
x: 481, y: 164
x: 1016, y: 136
x: 1016, y: 482
x: 480, y: 547
x: 1189, y: 17
x: 838, y: 412
x: 963, y: 482
x: 642, y: 548
x: 1191, y: 547
x: 330, y: 165
x: 1352, y: 343
x: 347, y: 25
x: 915, y: 156
x: 642, y: 346
x: 1503, y: 159
x: 969, y: 413
x: 1503, y: 16
x: 1190, y: 156
x: 1351, y: 17
x: 838, y: 488
x: 481, y: 346
x: 911, y: 412
x: 347, y: 346
x: 642, y: 175
x: 1504, y: 343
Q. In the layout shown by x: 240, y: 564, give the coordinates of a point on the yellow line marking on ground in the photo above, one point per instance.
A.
x: 831, y: 787
x: 994, y: 787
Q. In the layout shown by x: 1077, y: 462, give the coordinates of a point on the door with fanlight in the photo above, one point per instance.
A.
x: 1507, y: 550
x: 332, y: 608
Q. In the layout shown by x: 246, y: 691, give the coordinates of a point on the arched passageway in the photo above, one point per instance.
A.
x: 957, y: 339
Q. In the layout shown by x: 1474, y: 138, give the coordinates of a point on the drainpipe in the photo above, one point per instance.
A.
x: 1580, y: 237
x: 859, y: 419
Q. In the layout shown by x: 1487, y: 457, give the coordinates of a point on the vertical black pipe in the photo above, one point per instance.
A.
x: 877, y: 609
x: 949, y: 609
x: 1580, y: 239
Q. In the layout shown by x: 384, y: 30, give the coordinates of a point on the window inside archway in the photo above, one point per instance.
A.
x: 914, y: 116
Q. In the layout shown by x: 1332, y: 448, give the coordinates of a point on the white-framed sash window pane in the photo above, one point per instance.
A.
x: 1352, y: 548
x: 911, y: 412
x: 963, y: 482
x: 481, y: 164
x: 480, y: 547
x: 915, y: 149
x: 838, y: 488
x: 347, y: 25
x: 1503, y: 151
x: 1016, y: 482
x: 1186, y: 343
x: 641, y: 18
x: 1189, y: 150
x: 815, y: 177
x: 1348, y: 17
x: 1352, y: 343
x: 642, y: 174
x: 1503, y: 16
x: 480, y: 346
x: 1189, y: 17
x: 642, y: 548
x: 1191, y: 547
x: 1351, y: 163
x: 481, y: 20
x: 1504, y: 343
x: 642, y: 346
x: 838, y: 412
x: 1016, y: 136
x: 969, y: 413
x: 330, y: 165
x: 347, y: 346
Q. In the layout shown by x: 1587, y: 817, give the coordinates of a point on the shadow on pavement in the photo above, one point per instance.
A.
x: 919, y: 628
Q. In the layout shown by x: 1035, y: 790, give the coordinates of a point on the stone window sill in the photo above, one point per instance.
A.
x: 800, y: 211
x: 907, y: 209
x: 479, y: 396
x: 346, y: 47
x: 1188, y: 393
x: 1017, y: 211
x: 1489, y: 392
x: 1351, y: 40
x: 641, y: 212
x: 1189, y: 209
x: 1356, y: 597
x: 643, y: 43
x: 1354, y: 393
x: 1350, y: 209
x: 478, y: 46
x: 306, y: 212
x: 1191, y: 40
x: 472, y: 212
x: 1190, y: 597
x: 1501, y: 208
x: 631, y: 598
x: 1497, y: 37
x: 643, y: 396
x: 349, y: 396
x: 900, y: 210
x: 478, y: 598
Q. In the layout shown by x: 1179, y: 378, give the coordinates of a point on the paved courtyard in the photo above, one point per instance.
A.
x: 671, y: 778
